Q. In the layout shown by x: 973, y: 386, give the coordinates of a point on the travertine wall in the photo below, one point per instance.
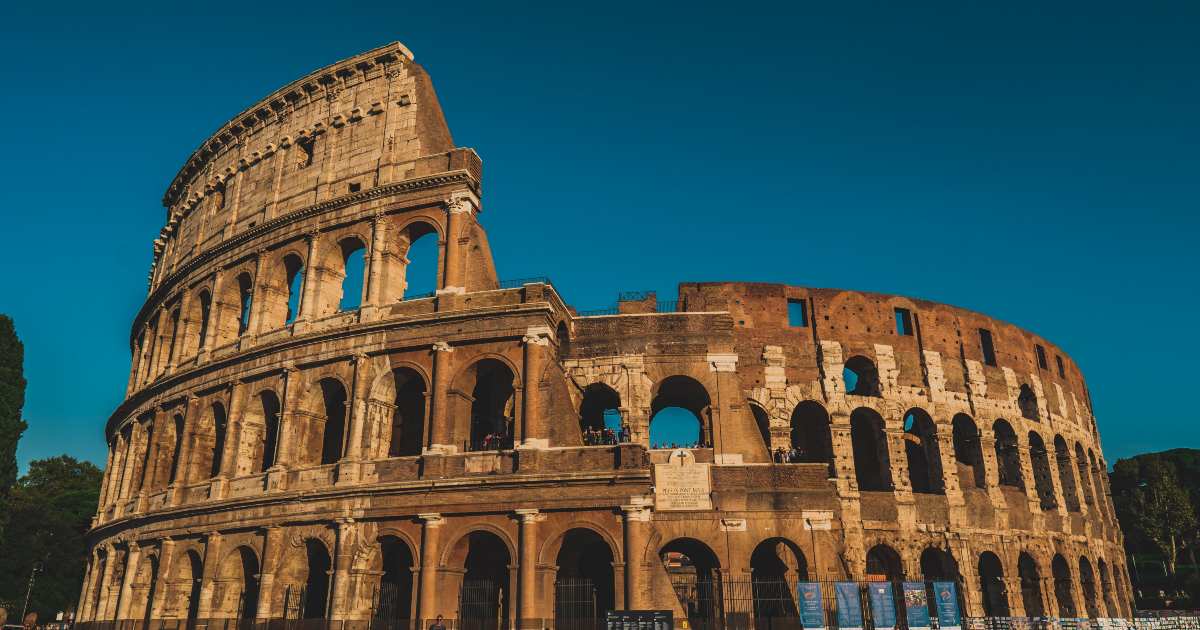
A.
x: 273, y: 439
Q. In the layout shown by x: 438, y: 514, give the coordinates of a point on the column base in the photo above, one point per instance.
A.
x: 218, y: 488
x: 276, y: 479
x: 538, y: 443
x: 347, y: 472
x: 451, y: 291
x: 440, y: 449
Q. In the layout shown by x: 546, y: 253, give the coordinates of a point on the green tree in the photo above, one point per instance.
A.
x: 1161, y: 511
x: 52, y: 508
x: 12, y: 399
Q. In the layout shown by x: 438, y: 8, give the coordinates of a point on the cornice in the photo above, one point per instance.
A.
x: 167, y: 284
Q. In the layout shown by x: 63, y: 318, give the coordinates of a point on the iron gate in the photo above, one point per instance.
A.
x: 481, y: 606
x: 576, y: 605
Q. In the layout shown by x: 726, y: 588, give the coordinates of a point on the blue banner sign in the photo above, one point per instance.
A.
x: 883, y: 605
x: 849, y: 606
x: 916, y: 608
x: 947, y: 606
x: 812, y: 613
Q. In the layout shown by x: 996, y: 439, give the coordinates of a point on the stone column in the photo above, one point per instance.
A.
x: 120, y: 451
x: 284, y: 443
x: 233, y: 439
x: 427, y: 600
x: 356, y: 414
x: 183, y: 329
x: 459, y: 208
x: 272, y: 543
x: 441, y: 431
x: 212, y: 562
x: 106, y: 479
x: 183, y: 459
x: 527, y: 613
x: 131, y: 457
x: 308, y: 293
x: 150, y: 471
x: 723, y: 367
x: 343, y: 556
x: 132, y: 558
x: 214, y: 317
x: 166, y: 557
x: 110, y: 559
x: 536, y: 340
x: 258, y: 292
x: 85, y: 592
x: 374, y: 278
x: 636, y: 517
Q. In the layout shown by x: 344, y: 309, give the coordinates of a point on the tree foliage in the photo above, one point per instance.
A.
x: 51, y: 507
x: 12, y: 399
x: 1157, y: 499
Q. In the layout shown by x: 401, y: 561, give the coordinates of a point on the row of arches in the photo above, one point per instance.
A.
x: 329, y: 275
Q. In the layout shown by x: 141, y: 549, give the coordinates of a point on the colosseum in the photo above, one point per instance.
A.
x: 295, y: 444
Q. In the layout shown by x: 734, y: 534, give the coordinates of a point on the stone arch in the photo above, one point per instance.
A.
x: 187, y: 573
x: 484, y: 556
x: 762, y: 422
x: 487, y: 393
x: 992, y: 586
x: 260, y: 431
x: 861, y: 377
x: 1008, y: 457
x: 1066, y: 473
x: 872, y: 464
x: 1031, y: 585
x: 419, y: 267
x: 282, y: 285
x: 775, y: 564
x: 303, y: 578
x: 1085, y: 479
x: 923, y: 453
x: 968, y: 450
x: 352, y: 283
x: 142, y: 586
x: 237, y: 302
x: 584, y: 562
x: 1063, y: 586
x: 1027, y: 402
x: 1041, y: 471
x: 175, y: 442
x: 397, y: 411
x: 200, y: 314
x: 1087, y: 583
x: 238, y: 579
x: 685, y: 393
x: 693, y: 569
x: 884, y: 563
x: 600, y: 408
x: 1106, y: 589
x: 812, y: 436
x: 938, y: 564
x: 394, y: 562
x: 550, y: 548
x: 208, y: 443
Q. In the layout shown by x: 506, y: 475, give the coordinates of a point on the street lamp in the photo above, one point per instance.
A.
x: 37, y: 566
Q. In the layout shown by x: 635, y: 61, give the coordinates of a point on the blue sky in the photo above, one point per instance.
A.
x: 1034, y: 161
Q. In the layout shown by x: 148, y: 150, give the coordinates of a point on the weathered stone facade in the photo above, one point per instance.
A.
x: 274, y: 439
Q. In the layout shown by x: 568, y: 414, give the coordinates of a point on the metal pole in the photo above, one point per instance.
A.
x: 812, y: 537
x: 37, y: 566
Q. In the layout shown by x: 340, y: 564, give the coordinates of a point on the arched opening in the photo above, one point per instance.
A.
x: 396, y: 583
x: 176, y: 447
x: 294, y: 268
x: 1027, y: 403
x: 98, y: 582
x: 924, y: 456
x: 680, y: 413
x: 600, y: 415
x: 872, y: 467
x: 1106, y: 589
x: 174, y: 335
x: 1062, y: 587
x: 937, y: 565
x: 763, y: 423
x: 991, y: 585
x: 1087, y: 583
x: 1007, y: 456
x: 1066, y: 473
x: 968, y: 452
x: 861, y: 376
x: 315, y: 596
x: 245, y: 286
x: 205, y: 300
x: 333, y: 397
x: 193, y: 570
x: 583, y: 586
x: 239, y: 575
x: 151, y: 590
x: 1085, y: 479
x: 354, y: 271
x: 1097, y: 477
x: 883, y: 564
x: 812, y: 440
x: 1031, y: 586
x: 692, y: 568
x: 249, y: 583
x: 775, y: 565
x: 408, y: 416
x: 420, y: 245
x: 483, y: 600
x: 493, y: 406
x: 1041, y: 471
x: 220, y: 428
x: 269, y: 403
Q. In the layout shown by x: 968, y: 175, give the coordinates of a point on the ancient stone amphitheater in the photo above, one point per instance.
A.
x: 292, y: 449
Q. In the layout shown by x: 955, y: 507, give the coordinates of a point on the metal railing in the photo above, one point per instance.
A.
x: 516, y: 283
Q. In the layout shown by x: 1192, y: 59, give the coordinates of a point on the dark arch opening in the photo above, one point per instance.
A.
x: 294, y: 268
x: 1087, y: 583
x: 1031, y: 586
x: 679, y: 414
x: 176, y: 448
x: 245, y: 301
x: 316, y: 586
x: 396, y: 583
x: 924, y: 456
x: 583, y: 586
x: 599, y: 411
x: 1085, y: 479
x: 872, y: 466
x: 492, y: 406
x: 1041, y: 471
x: 937, y: 565
x: 1007, y: 456
x: 811, y: 435
x: 421, y: 271
x: 692, y: 568
x: 1028, y: 404
x: 883, y: 564
x: 968, y: 451
x: 991, y: 585
x: 1106, y: 589
x: 485, y: 593
x: 354, y: 265
x: 408, y: 417
x: 249, y: 599
x: 195, y: 572
x: 1062, y: 586
x: 205, y: 310
x: 333, y: 396
x: 763, y: 423
x: 1066, y: 473
x: 270, y: 443
x: 861, y: 376
x: 220, y: 427
x: 150, y: 593
x: 775, y: 564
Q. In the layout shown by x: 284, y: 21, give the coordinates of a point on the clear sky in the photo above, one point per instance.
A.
x: 1034, y: 161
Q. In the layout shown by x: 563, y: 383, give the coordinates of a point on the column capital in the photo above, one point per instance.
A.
x: 360, y: 358
x: 431, y: 519
x: 722, y: 361
x: 527, y: 515
x: 441, y: 346
x: 636, y: 513
x: 462, y: 202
